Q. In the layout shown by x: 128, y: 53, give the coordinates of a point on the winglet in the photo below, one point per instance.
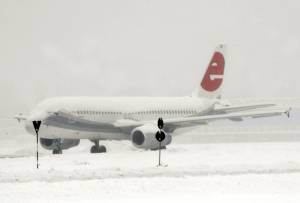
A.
x: 288, y: 112
x: 20, y: 117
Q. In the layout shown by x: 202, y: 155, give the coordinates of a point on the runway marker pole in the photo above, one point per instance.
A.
x: 36, y: 125
x: 159, y: 153
x: 160, y: 136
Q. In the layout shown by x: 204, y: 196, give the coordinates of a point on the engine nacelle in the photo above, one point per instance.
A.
x: 52, y: 144
x: 144, y: 137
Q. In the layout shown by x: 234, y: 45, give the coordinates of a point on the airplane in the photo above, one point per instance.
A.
x: 67, y: 120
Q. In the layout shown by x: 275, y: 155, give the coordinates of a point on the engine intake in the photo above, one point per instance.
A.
x: 144, y: 137
x: 52, y: 144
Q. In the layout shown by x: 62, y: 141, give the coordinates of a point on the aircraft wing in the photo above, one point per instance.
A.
x: 234, y: 108
x: 67, y: 120
x: 175, y: 123
x: 192, y: 121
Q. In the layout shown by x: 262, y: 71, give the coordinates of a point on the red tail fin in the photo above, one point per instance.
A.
x: 212, y: 81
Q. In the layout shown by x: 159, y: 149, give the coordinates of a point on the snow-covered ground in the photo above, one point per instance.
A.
x: 232, y: 171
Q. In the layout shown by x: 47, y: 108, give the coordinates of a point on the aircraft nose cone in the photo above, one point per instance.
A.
x: 29, y: 127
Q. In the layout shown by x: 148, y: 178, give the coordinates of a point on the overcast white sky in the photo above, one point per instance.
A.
x: 149, y: 48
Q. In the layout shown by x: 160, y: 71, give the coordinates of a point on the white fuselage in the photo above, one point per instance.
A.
x: 112, y: 109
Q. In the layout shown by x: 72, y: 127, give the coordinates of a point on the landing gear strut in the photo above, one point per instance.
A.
x: 97, y: 148
x: 58, y: 149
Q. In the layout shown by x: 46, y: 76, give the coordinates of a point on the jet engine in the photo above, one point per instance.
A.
x: 52, y: 144
x: 144, y: 137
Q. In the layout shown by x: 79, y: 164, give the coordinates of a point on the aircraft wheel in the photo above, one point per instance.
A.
x: 101, y: 149
x: 93, y: 149
x: 98, y: 149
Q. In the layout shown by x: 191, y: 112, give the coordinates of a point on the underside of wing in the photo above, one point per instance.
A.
x: 198, y: 120
x: 175, y: 123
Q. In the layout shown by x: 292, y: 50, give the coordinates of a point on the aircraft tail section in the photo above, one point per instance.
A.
x: 211, y: 84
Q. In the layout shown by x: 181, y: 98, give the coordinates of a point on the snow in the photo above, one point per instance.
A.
x: 209, y: 172
x: 275, y: 187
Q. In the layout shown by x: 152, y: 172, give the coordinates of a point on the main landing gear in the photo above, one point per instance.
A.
x: 97, y: 148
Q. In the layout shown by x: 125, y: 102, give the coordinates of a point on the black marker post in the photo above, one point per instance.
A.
x: 36, y: 125
x: 160, y: 136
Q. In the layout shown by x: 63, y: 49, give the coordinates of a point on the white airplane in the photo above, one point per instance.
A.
x: 66, y: 120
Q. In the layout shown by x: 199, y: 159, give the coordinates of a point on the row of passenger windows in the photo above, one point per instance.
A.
x: 136, y: 113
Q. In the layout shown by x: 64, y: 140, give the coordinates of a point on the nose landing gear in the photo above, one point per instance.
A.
x: 58, y: 149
